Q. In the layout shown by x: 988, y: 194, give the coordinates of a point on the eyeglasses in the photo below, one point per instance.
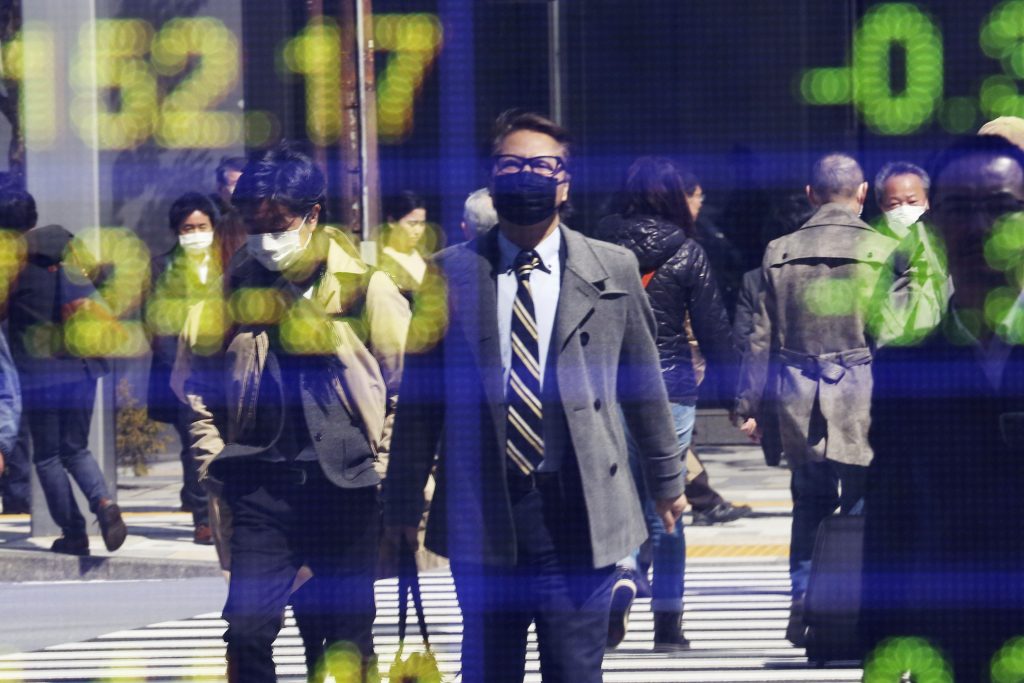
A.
x: 510, y: 163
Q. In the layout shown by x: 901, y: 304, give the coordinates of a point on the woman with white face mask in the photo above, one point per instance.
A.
x: 188, y: 273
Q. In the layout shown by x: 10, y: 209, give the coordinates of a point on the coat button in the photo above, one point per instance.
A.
x: 597, y: 404
x: 318, y: 436
x: 612, y: 470
x: 584, y: 338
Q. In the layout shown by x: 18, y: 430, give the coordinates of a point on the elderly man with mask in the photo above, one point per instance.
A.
x: 811, y: 342
x: 948, y: 417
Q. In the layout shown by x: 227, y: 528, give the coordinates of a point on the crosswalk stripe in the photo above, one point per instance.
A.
x: 735, y: 619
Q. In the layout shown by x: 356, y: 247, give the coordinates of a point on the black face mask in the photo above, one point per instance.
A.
x: 525, y: 198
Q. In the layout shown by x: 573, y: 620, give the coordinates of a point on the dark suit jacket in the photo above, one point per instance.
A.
x: 944, y: 538
x: 452, y: 403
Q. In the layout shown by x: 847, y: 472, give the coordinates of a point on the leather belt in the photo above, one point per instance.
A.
x: 520, y: 484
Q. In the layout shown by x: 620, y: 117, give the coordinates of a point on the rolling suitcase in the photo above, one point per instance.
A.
x: 832, y: 601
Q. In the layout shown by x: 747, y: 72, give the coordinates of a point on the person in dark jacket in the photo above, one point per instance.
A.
x: 189, y: 272
x: 656, y: 225
x: 788, y: 214
x: 58, y: 387
x: 947, y: 416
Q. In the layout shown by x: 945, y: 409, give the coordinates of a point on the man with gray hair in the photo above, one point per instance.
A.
x: 810, y: 341
x: 479, y: 215
x: 901, y: 190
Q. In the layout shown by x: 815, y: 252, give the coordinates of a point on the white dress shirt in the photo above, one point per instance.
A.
x: 545, y: 282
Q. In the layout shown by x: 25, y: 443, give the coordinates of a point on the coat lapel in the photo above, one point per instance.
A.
x: 583, y: 284
x: 474, y: 291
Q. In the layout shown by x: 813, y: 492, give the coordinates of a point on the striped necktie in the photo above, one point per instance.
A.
x: 524, y: 442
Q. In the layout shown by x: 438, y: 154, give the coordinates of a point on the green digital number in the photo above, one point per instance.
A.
x: 316, y: 54
x: 185, y: 119
x: 1002, y: 38
x: 413, y: 41
x: 867, y: 83
x: 112, y: 58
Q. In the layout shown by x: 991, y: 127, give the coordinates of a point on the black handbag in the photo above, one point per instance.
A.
x: 419, y: 667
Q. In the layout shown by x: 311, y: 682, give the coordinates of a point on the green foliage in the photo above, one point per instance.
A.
x: 136, y: 436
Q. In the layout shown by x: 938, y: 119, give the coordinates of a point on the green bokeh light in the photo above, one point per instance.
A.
x: 959, y: 115
x: 896, y: 657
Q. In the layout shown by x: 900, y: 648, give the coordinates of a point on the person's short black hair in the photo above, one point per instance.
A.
x: 836, y: 176
x: 282, y: 174
x: 513, y: 120
x: 970, y: 145
x: 186, y: 204
x: 17, y: 209
x: 228, y: 164
x: 402, y: 204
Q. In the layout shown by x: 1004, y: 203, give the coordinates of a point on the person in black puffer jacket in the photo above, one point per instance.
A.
x: 654, y: 222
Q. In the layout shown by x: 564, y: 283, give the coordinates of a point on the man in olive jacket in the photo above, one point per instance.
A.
x: 291, y: 414
x: 810, y: 341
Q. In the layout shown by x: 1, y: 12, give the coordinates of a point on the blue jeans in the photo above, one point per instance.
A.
x: 58, y: 417
x: 667, y: 551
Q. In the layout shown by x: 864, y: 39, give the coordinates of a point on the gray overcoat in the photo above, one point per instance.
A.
x: 810, y: 337
x: 452, y: 403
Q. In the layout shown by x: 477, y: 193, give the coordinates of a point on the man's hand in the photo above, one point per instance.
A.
x: 670, y: 510
x: 750, y: 428
x: 406, y: 534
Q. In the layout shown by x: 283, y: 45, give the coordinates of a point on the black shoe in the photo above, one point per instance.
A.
x: 720, y: 514
x: 668, y: 632
x: 623, y: 594
x: 796, y: 629
x: 111, y: 525
x: 71, y: 545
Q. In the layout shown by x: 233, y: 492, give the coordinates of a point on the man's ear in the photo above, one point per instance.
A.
x: 862, y: 193
x: 563, y: 192
x: 314, y: 215
x: 810, y: 195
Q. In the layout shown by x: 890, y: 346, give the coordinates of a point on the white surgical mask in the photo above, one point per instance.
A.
x: 902, y: 217
x: 278, y: 250
x: 196, y: 242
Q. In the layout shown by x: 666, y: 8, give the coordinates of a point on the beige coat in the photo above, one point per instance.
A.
x: 369, y: 349
x: 810, y: 339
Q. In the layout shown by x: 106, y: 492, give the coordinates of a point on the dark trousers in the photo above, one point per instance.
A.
x: 698, y: 491
x: 193, y: 496
x: 58, y: 417
x: 818, y: 488
x: 16, y: 483
x: 553, y: 585
x: 286, y: 516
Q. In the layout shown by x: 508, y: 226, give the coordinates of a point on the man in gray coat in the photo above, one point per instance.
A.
x: 549, y: 335
x: 810, y: 342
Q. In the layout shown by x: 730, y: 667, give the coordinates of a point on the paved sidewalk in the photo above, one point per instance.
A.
x: 159, y: 543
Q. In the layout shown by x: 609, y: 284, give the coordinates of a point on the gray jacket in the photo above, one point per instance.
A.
x: 810, y: 340
x: 453, y: 404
